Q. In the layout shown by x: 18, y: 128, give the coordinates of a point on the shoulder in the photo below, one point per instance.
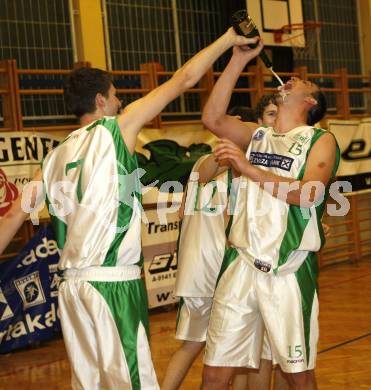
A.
x: 323, y: 136
x: 108, y: 122
x: 260, y: 132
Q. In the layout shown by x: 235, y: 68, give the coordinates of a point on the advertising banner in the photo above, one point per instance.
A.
x: 354, y: 139
x: 29, y: 293
x: 20, y: 157
x: 159, y: 240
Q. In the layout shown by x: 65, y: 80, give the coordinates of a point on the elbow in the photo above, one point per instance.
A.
x: 211, y: 122
x: 207, y: 119
x: 307, y: 200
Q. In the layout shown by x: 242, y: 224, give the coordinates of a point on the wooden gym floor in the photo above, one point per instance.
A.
x: 344, y: 360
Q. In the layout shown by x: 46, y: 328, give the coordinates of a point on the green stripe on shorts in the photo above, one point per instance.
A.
x: 307, y: 277
x: 230, y: 255
x: 127, y: 301
x: 180, y: 305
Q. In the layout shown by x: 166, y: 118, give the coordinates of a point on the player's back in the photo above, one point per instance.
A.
x: 93, y: 188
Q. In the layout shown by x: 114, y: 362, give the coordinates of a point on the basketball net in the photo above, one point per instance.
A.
x: 302, y: 37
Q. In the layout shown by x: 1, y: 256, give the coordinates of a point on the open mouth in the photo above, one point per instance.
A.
x: 286, y: 87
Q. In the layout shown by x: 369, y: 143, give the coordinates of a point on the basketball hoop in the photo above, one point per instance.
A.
x: 302, y: 37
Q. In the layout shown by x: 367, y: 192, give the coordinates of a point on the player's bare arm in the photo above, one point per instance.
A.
x: 143, y: 110
x: 214, y: 115
x: 209, y: 169
x: 319, y: 167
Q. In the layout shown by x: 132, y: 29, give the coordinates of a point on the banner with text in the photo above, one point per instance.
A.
x: 29, y: 293
x: 354, y: 139
x: 159, y: 239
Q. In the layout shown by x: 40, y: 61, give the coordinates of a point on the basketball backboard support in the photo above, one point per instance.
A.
x: 270, y: 15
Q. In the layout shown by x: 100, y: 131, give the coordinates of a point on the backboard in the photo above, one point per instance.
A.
x: 270, y: 15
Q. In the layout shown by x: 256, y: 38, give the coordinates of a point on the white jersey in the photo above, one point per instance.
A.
x: 202, y: 237
x: 94, y: 196
x: 270, y: 233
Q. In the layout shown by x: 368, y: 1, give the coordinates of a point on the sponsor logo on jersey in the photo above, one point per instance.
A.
x: 30, y: 289
x: 259, y: 135
x: 262, y: 265
x: 293, y: 361
x: 301, y: 139
x: 271, y: 160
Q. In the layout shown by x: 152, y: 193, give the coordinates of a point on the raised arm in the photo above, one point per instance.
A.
x: 214, y: 115
x: 306, y: 192
x: 143, y: 110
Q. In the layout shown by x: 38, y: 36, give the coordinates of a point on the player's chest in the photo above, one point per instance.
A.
x: 283, y: 154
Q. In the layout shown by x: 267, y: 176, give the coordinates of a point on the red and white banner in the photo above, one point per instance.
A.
x: 20, y: 157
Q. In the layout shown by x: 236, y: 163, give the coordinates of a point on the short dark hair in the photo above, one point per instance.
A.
x: 247, y: 114
x: 317, y: 112
x: 263, y: 102
x: 81, y: 88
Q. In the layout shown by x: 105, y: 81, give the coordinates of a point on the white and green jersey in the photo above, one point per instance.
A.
x: 272, y: 234
x: 202, y: 238
x: 94, y: 194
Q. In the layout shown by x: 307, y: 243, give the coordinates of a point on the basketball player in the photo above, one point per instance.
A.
x: 269, y: 279
x: 201, y: 248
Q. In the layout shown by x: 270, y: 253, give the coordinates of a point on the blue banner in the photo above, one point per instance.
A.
x: 29, y: 293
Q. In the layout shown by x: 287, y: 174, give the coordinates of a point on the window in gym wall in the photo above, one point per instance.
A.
x: 165, y: 31
x: 139, y: 32
x: 37, y: 33
x: 339, y: 44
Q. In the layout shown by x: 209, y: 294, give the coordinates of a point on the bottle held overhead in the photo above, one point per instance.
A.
x: 244, y: 25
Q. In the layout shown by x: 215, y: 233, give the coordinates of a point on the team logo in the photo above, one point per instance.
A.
x: 302, y: 139
x: 5, y: 310
x: 30, y: 289
x: 8, y: 193
x: 259, y: 135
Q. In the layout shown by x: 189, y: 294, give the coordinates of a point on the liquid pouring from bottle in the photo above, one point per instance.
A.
x: 244, y: 25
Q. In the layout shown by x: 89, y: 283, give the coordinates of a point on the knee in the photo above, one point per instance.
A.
x: 300, y: 380
x: 210, y: 376
x: 216, y: 378
x: 193, y: 346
